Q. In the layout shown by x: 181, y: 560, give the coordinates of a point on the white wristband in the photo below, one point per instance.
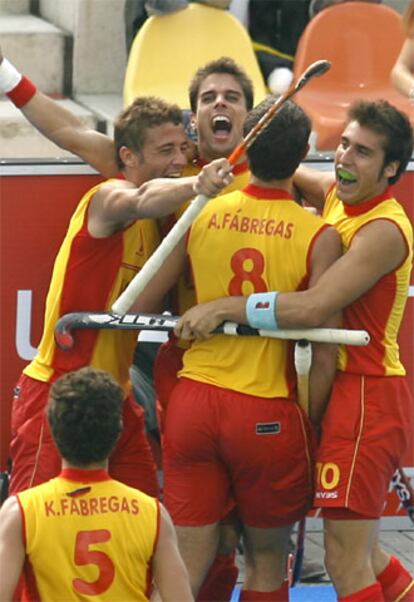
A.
x: 9, y: 76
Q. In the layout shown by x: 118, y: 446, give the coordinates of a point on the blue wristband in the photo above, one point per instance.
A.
x: 260, y: 310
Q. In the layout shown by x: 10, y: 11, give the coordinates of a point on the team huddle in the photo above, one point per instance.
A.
x: 240, y: 454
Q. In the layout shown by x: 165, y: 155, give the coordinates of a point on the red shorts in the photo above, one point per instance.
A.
x: 168, y: 362
x: 221, y: 445
x: 365, y: 432
x: 35, y: 458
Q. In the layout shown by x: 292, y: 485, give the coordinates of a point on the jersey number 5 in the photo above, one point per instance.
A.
x: 84, y: 555
x: 247, y: 266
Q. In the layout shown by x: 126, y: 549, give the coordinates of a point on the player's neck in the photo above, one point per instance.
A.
x: 206, y: 155
x: 92, y: 466
x: 285, y: 184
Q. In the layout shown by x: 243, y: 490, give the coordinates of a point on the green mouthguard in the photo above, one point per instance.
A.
x: 346, y: 175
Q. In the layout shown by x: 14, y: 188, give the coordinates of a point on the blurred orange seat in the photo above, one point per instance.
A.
x: 168, y: 49
x: 362, y: 41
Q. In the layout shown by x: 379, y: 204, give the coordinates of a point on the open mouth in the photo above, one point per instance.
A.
x: 221, y: 125
x: 345, y: 177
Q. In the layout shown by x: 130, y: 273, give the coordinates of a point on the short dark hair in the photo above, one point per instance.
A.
x: 143, y: 113
x: 282, y: 144
x: 222, y: 65
x: 393, y: 125
x: 85, y: 415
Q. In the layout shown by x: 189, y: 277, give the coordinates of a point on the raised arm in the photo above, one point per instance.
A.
x: 12, y: 552
x: 119, y: 202
x: 67, y: 131
x: 170, y: 573
x: 57, y: 123
x: 402, y: 74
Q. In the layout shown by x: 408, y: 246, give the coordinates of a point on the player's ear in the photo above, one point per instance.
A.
x: 391, y: 169
x: 193, y: 129
x: 128, y: 157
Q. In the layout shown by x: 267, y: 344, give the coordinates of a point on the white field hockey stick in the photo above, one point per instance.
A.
x: 153, y: 264
x: 98, y: 320
x: 303, y: 362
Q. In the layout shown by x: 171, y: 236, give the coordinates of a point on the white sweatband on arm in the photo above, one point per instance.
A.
x: 9, y: 76
x: 260, y: 310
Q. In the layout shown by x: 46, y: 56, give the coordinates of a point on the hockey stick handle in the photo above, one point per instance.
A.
x: 303, y: 362
x: 140, y: 280
x: 303, y: 357
x: 300, y: 550
x: 98, y: 320
x: 153, y: 264
x: 337, y: 336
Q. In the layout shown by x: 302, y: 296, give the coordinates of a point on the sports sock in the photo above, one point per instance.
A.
x: 220, y: 580
x: 372, y: 593
x: 278, y: 595
x: 396, y: 582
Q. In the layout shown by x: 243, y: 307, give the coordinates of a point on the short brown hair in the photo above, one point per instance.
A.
x: 223, y: 65
x: 85, y: 415
x: 282, y: 144
x: 143, y: 113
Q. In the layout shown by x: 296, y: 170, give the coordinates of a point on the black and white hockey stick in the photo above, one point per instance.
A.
x: 98, y: 320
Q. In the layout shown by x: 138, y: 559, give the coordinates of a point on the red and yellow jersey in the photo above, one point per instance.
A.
x: 184, y: 296
x: 104, y: 535
x: 253, y: 240
x: 380, y: 310
x: 89, y: 274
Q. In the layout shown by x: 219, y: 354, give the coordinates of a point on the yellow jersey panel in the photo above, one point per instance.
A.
x: 105, y: 535
x: 248, y: 241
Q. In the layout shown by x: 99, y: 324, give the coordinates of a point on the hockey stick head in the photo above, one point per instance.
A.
x: 99, y: 320
x: 316, y: 69
x: 69, y: 322
x: 63, y: 336
x: 84, y: 320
